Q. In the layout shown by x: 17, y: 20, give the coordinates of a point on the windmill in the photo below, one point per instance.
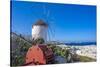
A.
x: 39, y: 30
x: 42, y: 28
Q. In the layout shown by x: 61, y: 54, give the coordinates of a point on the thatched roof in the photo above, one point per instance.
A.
x: 41, y: 23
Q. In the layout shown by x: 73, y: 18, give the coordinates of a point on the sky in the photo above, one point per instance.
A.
x: 67, y: 22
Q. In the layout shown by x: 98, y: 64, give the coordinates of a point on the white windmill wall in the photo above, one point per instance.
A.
x: 39, y: 31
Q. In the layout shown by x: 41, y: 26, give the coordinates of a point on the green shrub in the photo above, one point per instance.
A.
x: 18, y: 54
x: 38, y: 41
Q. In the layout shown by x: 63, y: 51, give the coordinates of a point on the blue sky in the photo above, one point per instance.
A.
x: 67, y: 22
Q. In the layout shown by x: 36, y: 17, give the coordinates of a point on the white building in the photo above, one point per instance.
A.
x: 89, y: 50
x: 39, y: 30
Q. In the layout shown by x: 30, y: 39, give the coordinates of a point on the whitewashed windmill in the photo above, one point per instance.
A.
x: 41, y: 28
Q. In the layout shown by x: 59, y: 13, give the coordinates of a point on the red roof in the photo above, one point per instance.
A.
x: 41, y: 23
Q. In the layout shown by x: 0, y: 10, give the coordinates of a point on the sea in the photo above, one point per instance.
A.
x: 80, y: 44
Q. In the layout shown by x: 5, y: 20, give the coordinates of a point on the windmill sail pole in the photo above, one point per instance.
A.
x: 46, y: 15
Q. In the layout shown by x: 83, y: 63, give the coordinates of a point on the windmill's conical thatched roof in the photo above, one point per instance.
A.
x: 41, y: 23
